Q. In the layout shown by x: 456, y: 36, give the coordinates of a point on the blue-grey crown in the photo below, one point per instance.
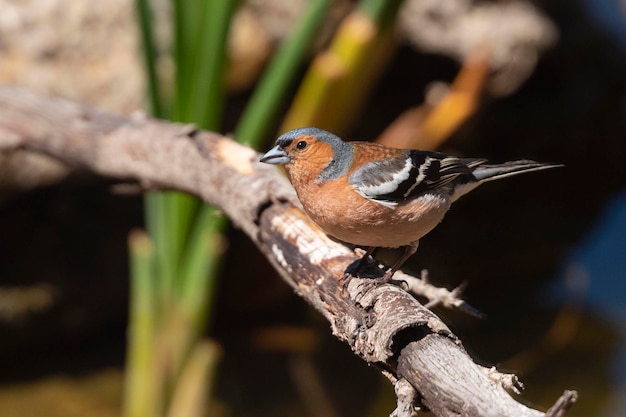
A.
x: 342, y: 160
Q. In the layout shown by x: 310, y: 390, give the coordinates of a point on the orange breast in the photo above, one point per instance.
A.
x: 350, y: 217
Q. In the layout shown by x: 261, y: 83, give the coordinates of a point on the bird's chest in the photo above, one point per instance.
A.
x: 343, y: 213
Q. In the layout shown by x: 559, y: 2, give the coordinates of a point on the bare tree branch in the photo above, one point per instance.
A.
x: 383, y: 324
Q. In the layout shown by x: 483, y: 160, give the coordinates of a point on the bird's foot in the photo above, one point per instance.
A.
x: 371, y: 277
x: 355, y: 268
x: 345, y: 281
x: 388, y: 276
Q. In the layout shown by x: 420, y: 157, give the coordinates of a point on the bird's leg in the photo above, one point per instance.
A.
x: 409, y: 250
x: 369, y: 252
x: 347, y: 276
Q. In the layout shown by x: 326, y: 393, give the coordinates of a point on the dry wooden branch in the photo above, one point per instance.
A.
x: 383, y: 324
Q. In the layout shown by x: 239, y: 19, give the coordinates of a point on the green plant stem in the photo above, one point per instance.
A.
x: 208, y: 93
x: 179, y: 211
x: 263, y: 107
x: 336, y: 85
x: 199, y: 260
x: 195, y: 384
x: 158, y: 226
x: 149, y: 49
x: 173, y: 281
x: 201, y: 36
x: 201, y: 263
x: 383, y: 12
x: 183, y: 58
x: 140, y: 396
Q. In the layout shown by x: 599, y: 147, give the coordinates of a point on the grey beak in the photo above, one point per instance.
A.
x: 276, y: 156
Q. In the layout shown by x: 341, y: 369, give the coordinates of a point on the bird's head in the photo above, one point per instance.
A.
x: 311, y: 150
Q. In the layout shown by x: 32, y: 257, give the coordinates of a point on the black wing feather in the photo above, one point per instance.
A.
x: 428, y: 171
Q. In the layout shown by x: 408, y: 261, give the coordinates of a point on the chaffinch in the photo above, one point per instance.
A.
x: 375, y: 196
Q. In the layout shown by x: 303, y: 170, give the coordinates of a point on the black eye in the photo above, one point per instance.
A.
x: 301, y: 145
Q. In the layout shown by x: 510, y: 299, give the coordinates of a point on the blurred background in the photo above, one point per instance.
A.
x: 116, y: 303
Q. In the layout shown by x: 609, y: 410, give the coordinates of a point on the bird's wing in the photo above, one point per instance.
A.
x: 411, y: 174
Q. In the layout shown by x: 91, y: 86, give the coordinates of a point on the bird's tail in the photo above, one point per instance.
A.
x: 484, y: 173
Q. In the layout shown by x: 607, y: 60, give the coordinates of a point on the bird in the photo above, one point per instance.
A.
x: 371, y: 195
